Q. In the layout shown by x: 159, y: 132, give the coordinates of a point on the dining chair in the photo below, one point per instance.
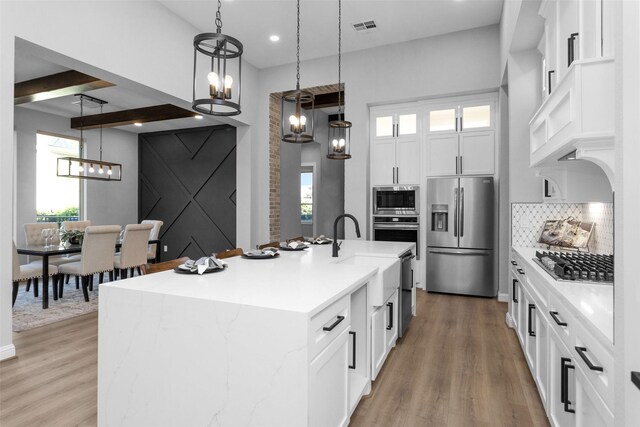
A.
x: 98, y: 247
x: 155, y: 232
x: 75, y: 225
x: 163, y: 266
x: 229, y: 253
x: 268, y: 245
x: 133, y: 252
x: 21, y: 273
x: 33, y: 237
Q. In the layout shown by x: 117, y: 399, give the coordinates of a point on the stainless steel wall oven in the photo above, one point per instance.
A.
x: 397, y: 229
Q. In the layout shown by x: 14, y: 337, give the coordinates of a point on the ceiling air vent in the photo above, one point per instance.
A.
x: 366, y: 26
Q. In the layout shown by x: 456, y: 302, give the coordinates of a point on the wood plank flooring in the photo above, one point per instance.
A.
x: 458, y: 365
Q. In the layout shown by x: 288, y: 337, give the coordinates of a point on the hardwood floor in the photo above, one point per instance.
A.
x: 458, y: 365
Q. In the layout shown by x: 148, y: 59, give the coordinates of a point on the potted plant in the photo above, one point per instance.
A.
x: 72, y: 237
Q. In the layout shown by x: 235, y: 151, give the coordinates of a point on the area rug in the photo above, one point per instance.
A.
x: 28, y: 312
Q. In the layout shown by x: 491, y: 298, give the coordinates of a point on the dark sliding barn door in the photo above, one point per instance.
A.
x: 187, y: 179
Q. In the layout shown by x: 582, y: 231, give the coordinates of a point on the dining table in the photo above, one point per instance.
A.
x: 46, y: 251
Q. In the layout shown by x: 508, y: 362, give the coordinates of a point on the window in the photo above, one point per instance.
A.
x: 57, y: 198
x: 306, y: 195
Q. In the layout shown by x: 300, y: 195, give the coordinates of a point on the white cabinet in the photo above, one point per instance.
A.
x: 470, y: 153
x: 395, y: 147
x: 591, y: 411
x: 561, y: 401
x: 329, y: 385
x: 391, y: 327
x: 384, y: 332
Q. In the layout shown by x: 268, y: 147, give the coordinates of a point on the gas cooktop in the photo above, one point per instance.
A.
x: 577, y: 266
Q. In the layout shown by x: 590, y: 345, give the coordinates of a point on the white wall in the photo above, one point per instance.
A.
x: 137, y: 44
x: 437, y: 66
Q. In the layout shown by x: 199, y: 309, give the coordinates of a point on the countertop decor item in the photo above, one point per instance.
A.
x: 223, y: 61
x: 566, y: 233
x: 78, y: 167
x: 339, y: 129
x: 297, y: 105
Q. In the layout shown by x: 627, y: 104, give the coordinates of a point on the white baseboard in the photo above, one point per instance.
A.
x: 503, y: 297
x: 509, y: 320
x: 7, y: 351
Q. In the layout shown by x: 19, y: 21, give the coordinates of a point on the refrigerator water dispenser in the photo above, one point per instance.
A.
x: 440, y: 218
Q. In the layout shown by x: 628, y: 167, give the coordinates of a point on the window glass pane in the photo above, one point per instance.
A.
x: 440, y: 120
x: 306, y: 197
x: 384, y: 126
x: 57, y: 198
x: 407, y: 124
x: 476, y: 117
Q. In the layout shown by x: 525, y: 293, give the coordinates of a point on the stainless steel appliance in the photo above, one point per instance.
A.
x: 577, y: 266
x: 406, y: 289
x: 397, y: 229
x: 460, y: 243
x: 398, y: 200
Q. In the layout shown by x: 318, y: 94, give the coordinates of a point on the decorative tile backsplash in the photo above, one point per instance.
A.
x: 527, y: 220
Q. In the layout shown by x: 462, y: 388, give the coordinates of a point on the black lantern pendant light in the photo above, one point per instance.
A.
x: 297, y: 106
x: 219, y: 93
x: 340, y: 129
x: 79, y: 167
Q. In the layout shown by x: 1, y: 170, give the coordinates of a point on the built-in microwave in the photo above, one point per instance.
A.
x: 397, y: 200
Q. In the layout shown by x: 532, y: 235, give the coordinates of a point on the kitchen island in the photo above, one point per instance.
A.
x: 261, y: 343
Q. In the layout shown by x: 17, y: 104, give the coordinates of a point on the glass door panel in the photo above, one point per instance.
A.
x: 407, y: 124
x: 478, y: 116
x: 442, y: 120
x: 384, y: 126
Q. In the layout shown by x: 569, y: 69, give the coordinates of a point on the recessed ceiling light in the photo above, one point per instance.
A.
x: 138, y: 124
x: 197, y: 116
x: 274, y: 38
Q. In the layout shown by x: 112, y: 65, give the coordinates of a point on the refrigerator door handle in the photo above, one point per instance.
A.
x: 467, y: 252
x: 461, y: 211
x: 455, y: 212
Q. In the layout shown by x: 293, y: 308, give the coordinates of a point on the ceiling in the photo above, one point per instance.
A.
x: 253, y: 21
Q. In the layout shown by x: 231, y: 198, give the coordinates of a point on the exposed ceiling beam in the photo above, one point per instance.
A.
x: 325, y: 100
x: 155, y: 113
x: 56, y: 85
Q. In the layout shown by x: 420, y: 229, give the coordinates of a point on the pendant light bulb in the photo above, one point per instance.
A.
x: 214, y: 81
x: 91, y: 169
x: 110, y: 171
x: 100, y: 171
x: 81, y: 167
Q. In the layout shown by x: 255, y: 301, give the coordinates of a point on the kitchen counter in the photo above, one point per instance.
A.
x: 227, y: 348
x: 593, y: 303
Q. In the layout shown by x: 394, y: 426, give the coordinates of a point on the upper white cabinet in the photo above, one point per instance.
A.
x: 460, y: 139
x: 395, y: 147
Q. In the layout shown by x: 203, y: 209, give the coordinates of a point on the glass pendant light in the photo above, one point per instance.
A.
x: 340, y: 129
x: 219, y: 93
x: 297, y: 106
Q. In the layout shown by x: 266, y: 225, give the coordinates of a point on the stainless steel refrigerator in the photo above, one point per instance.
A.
x: 460, y: 247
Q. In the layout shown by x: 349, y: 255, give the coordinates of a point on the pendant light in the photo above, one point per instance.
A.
x: 79, y: 167
x: 340, y: 129
x: 297, y: 106
x: 218, y: 92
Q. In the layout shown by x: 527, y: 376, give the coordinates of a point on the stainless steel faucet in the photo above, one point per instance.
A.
x: 336, y: 246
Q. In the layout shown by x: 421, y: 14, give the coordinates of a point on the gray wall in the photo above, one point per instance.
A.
x: 105, y: 202
x: 290, y: 225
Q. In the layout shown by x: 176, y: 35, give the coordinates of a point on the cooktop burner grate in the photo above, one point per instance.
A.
x: 577, y: 266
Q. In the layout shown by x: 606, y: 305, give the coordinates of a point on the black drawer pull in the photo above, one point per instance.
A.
x: 521, y: 271
x: 581, y: 351
x: 565, y: 365
x: 513, y: 262
x: 554, y: 314
x: 635, y: 378
x: 390, y: 324
x: 530, y: 330
x: 514, y: 298
x: 334, y: 324
x: 353, y: 365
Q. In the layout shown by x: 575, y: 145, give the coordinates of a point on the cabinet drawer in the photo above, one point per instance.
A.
x: 328, y: 324
x: 587, y: 350
x: 562, y: 321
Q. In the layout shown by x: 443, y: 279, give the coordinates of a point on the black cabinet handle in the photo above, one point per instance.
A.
x: 635, y: 378
x: 571, y: 48
x: 390, y: 324
x: 581, y: 352
x: 554, y: 314
x: 513, y: 294
x: 532, y: 333
x: 513, y: 262
x: 519, y: 270
x: 334, y: 324
x: 353, y: 365
x: 549, y: 80
x: 565, y: 365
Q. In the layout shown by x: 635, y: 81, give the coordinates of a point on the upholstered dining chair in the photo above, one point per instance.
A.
x: 155, y: 232
x: 133, y: 252
x: 229, y: 253
x: 98, y: 247
x: 75, y: 225
x: 22, y: 273
x: 163, y: 266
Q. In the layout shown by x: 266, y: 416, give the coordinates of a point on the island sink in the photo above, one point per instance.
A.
x: 386, y: 280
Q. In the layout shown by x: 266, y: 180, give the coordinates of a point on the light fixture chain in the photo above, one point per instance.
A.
x: 340, y: 110
x: 298, y: 49
x: 101, y: 105
x: 219, y: 17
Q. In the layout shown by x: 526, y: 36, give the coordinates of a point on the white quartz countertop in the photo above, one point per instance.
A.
x: 301, y: 281
x: 593, y: 303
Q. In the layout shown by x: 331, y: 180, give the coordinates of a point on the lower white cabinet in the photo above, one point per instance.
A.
x: 329, y: 384
x: 591, y: 411
x: 384, y: 332
x: 391, y: 323
x: 561, y: 399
